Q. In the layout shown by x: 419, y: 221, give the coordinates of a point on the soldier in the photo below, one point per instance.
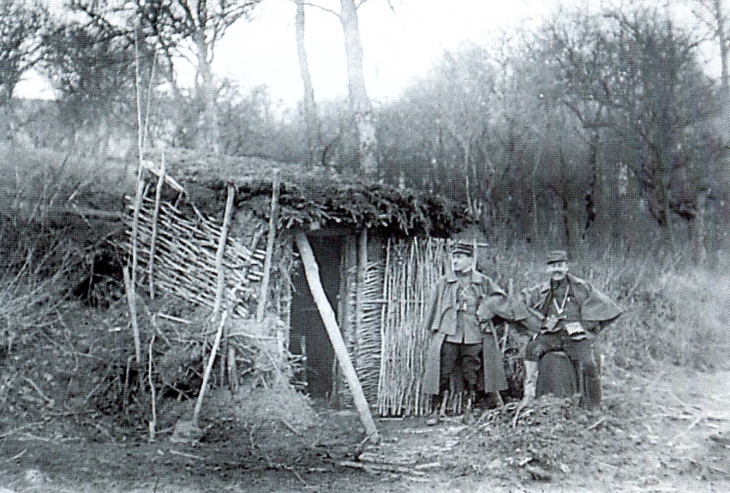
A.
x: 565, y: 314
x: 460, y: 314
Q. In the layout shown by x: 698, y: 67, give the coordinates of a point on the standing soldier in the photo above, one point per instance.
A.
x: 565, y: 314
x: 459, y: 316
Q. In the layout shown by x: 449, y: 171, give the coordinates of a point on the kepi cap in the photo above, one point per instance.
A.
x: 557, y: 256
x: 462, y: 248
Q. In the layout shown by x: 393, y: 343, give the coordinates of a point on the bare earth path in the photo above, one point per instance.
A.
x: 655, y: 435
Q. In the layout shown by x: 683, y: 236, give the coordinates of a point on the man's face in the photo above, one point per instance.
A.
x: 462, y: 262
x: 557, y: 270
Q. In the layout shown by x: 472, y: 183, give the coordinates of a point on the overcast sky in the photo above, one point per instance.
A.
x: 398, y: 44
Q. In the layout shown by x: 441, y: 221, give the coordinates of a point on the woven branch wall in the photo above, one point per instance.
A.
x: 412, y: 269
x: 184, y: 258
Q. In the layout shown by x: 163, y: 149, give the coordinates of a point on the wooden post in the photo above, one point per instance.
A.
x: 153, y: 239
x: 273, y: 218
x: 221, y: 275
x: 132, y: 303
x: 362, y: 267
x: 311, y: 271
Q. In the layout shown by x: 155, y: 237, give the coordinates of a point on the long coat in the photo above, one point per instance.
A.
x: 441, y: 321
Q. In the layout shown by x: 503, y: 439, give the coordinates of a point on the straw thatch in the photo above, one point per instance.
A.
x: 314, y: 198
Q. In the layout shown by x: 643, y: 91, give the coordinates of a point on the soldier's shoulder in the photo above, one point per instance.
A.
x: 580, y: 282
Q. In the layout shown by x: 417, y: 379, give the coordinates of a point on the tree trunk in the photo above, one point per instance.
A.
x: 210, y: 141
x: 311, y: 120
x: 311, y: 271
x: 699, y: 228
x: 359, y: 99
x: 722, y: 39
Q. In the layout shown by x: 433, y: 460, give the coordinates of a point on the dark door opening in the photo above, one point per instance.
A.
x: 308, y: 334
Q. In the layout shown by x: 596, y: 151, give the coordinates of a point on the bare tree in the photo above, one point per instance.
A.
x: 187, y: 28
x: 311, y: 119
x: 712, y: 14
x: 21, y: 27
x: 359, y: 99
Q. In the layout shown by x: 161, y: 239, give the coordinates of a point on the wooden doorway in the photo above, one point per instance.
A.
x: 308, y: 335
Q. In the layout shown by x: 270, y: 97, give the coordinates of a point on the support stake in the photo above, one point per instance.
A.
x: 311, y: 271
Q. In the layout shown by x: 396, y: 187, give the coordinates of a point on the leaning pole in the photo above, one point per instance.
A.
x: 311, y: 271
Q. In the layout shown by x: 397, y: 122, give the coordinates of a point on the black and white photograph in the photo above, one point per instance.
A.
x: 329, y: 246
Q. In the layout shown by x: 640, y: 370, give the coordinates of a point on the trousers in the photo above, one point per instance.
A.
x: 583, y: 358
x: 468, y: 356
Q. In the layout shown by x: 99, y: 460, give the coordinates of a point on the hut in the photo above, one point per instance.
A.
x: 379, y: 249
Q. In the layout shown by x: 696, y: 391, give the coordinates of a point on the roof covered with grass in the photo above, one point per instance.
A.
x: 314, y: 198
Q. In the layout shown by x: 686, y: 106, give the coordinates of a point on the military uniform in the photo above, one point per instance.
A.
x: 565, y: 317
x: 460, y: 313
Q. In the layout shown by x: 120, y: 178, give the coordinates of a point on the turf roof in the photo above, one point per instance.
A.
x: 315, y: 198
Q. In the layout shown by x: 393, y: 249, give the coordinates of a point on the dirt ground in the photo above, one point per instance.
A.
x: 658, y: 432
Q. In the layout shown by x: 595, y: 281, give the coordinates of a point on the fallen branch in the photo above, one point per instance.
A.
x: 382, y: 468
x: 294, y: 472
x: 208, y: 368
x: 48, y: 400
x: 596, y: 424
x: 291, y: 427
x: 185, y: 454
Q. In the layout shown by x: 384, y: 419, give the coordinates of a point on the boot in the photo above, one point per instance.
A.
x: 433, y: 416
x: 590, y: 388
x: 438, y: 409
x: 530, y: 380
x: 444, y: 403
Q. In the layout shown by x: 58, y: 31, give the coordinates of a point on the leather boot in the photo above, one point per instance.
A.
x: 590, y: 388
x: 444, y: 403
x: 433, y: 416
x: 438, y: 409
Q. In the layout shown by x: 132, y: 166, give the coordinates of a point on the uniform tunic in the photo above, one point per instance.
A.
x: 582, y: 311
x: 480, y: 302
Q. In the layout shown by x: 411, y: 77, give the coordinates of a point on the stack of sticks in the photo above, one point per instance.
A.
x: 412, y: 269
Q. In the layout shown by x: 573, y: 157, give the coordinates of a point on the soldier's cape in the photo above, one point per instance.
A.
x: 597, y: 309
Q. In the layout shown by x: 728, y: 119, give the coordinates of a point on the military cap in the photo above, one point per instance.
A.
x: 557, y: 256
x: 463, y: 248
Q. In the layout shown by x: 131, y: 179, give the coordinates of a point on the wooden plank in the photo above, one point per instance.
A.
x: 311, y: 270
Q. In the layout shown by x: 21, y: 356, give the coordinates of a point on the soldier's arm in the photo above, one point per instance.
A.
x: 531, y: 319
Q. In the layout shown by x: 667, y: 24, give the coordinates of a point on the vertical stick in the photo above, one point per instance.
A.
x: 221, y: 283
x: 232, y: 369
x: 209, y: 366
x: 311, y: 271
x: 362, y: 265
x: 132, y: 303
x: 130, y: 282
x: 273, y: 219
x: 153, y: 239
x: 153, y: 394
